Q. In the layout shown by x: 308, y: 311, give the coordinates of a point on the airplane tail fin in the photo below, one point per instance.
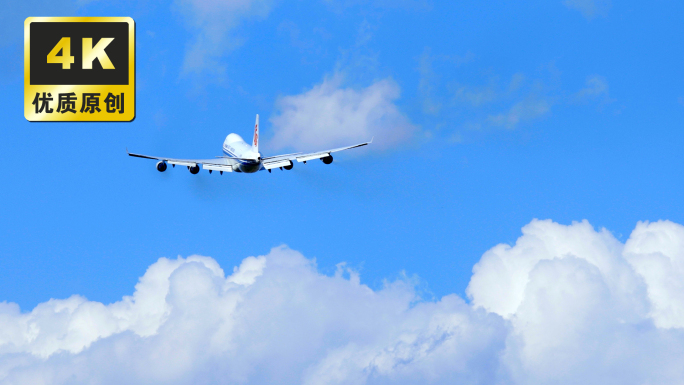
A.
x: 255, y: 141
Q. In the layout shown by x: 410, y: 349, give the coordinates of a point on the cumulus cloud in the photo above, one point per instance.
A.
x: 656, y: 252
x: 331, y: 115
x: 563, y: 305
x: 275, y: 319
x: 581, y: 309
x: 212, y: 22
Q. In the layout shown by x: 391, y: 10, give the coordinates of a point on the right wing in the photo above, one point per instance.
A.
x: 285, y: 160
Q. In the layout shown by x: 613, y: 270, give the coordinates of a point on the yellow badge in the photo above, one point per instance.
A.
x: 79, y: 69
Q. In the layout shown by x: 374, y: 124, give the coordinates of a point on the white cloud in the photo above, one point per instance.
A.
x: 589, y: 8
x: 275, y: 319
x: 656, y: 252
x: 565, y: 304
x: 331, y: 115
x: 581, y: 310
x: 212, y: 22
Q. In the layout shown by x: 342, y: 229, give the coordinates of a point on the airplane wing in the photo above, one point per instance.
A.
x: 216, y: 164
x: 270, y: 162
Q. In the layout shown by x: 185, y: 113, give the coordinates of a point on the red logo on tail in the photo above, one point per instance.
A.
x: 256, y: 135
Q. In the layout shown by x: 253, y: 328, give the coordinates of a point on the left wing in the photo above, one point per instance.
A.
x: 217, y: 164
x: 270, y: 162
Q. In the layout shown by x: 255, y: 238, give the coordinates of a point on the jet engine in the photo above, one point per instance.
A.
x: 288, y: 167
x: 161, y: 166
x: 194, y: 169
x: 327, y: 160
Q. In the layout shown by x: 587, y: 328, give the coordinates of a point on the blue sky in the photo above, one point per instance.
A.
x: 549, y: 109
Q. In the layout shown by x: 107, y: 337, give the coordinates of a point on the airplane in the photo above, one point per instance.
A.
x: 242, y: 157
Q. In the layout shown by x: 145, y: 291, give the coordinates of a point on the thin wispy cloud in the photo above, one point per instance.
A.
x: 212, y: 23
x: 563, y: 305
x: 412, y: 5
x: 502, y: 103
x: 528, y: 109
x: 477, y: 95
x: 589, y: 8
x: 429, y: 82
x: 596, y: 89
x: 14, y: 13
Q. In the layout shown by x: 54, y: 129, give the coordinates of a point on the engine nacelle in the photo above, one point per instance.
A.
x: 194, y: 169
x: 161, y: 166
x: 288, y: 167
x: 328, y: 159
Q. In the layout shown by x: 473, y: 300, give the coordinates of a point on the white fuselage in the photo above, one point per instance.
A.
x: 235, y: 147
